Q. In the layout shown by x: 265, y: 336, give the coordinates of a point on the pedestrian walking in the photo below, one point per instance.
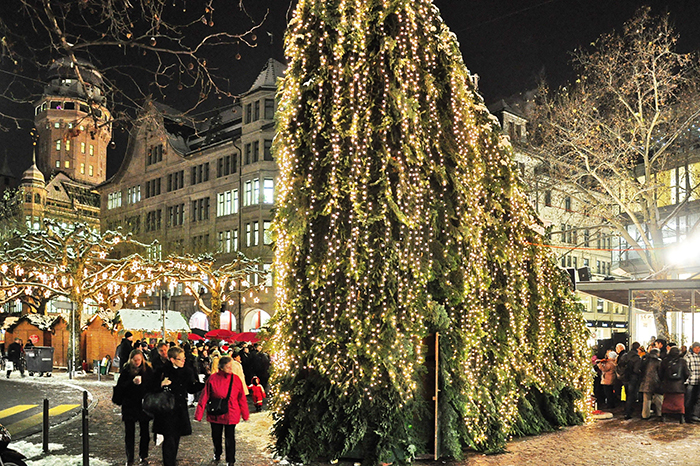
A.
x: 179, y: 380
x: 650, y: 384
x: 224, y: 384
x: 258, y: 392
x: 135, y: 379
x: 15, y: 355
x: 674, y: 372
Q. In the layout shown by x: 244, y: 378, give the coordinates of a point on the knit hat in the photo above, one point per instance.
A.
x: 128, y: 334
x: 695, y: 344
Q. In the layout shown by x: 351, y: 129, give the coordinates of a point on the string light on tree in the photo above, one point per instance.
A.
x: 399, y: 215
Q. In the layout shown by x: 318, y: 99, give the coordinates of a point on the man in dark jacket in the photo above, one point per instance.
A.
x: 124, y: 349
x: 159, y: 356
x: 632, y: 363
x: 14, y: 354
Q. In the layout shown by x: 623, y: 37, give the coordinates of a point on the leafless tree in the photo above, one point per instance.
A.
x: 142, y: 48
x: 622, y: 136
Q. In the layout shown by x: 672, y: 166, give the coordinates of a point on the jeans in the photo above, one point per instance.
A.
x: 130, y: 439
x: 230, y: 435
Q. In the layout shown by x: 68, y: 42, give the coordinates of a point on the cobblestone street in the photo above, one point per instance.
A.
x: 606, y: 442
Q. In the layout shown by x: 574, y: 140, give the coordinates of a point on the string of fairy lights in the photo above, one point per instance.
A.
x: 396, y: 193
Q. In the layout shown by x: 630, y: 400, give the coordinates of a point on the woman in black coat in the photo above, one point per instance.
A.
x: 673, y: 373
x: 135, y: 379
x: 180, y: 380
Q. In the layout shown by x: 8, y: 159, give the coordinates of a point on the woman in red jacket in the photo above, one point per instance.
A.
x: 218, y: 386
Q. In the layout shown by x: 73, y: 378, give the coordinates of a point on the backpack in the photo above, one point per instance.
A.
x: 673, y: 370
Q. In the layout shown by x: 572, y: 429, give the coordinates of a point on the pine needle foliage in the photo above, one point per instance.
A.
x: 400, y: 215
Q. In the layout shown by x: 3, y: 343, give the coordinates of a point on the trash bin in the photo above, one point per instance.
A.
x: 39, y: 359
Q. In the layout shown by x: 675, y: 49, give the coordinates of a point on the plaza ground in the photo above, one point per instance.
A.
x: 606, y: 442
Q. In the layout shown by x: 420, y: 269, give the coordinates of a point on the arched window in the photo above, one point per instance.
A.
x: 37, y: 198
x: 254, y: 320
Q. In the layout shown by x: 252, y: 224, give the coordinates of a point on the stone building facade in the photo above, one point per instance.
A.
x: 203, y: 187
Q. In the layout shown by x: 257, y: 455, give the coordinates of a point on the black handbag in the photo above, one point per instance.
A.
x: 159, y: 402
x: 219, y: 406
x: 117, y: 395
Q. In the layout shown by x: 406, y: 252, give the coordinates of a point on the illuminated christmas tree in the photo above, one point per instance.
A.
x: 400, y: 214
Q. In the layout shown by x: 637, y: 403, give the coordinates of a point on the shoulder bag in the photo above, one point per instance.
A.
x: 219, y: 406
x: 158, y: 402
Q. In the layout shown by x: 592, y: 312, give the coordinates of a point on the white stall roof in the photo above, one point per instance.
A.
x: 152, y: 321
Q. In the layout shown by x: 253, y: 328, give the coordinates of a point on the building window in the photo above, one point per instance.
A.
x: 66, y: 164
x: 586, y: 238
x: 567, y: 204
x: 114, y: 200
x: 225, y: 166
x: 248, y: 193
x: 246, y: 158
x: 256, y: 192
x: 92, y: 149
x: 248, y: 113
x: 199, y: 174
x: 269, y: 109
x: 267, y: 232
x: 57, y: 124
x: 176, y: 215
x: 268, y: 191
x: 58, y: 144
x: 200, y: 209
x: 133, y: 194
x: 256, y: 151
x: 67, y: 145
x: 58, y: 164
x: 82, y: 168
x: 548, y: 198
x: 256, y: 233
x: 256, y: 110
x: 267, y: 150
x: 153, y: 220
x: 247, y: 235
x: 82, y: 147
x: 155, y: 154
x: 227, y: 203
x: 152, y: 188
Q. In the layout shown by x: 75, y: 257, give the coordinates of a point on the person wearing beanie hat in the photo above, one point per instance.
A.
x: 124, y: 349
x: 692, y: 388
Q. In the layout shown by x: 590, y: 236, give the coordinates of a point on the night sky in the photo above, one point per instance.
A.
x: 508, y: 43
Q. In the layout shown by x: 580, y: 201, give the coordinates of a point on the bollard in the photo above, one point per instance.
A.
x: 86, y: 434
x: 46, y: 426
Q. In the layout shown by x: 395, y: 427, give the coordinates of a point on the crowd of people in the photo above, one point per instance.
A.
x: 197, y: 375
x: 660, y: 377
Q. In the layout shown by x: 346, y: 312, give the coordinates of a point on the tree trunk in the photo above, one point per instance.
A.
x: 661, y: 323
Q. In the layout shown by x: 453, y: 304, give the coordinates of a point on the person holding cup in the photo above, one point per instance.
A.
x: 135, y: 379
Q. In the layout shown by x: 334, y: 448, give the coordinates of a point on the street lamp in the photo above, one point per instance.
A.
x: 164, y: 298
x: 71, y: 360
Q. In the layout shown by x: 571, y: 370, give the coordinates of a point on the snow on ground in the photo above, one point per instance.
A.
x: 33, y: 450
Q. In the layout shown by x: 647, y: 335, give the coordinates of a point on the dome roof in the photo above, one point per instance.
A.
x: 65, y: 68
x: 32, y: 175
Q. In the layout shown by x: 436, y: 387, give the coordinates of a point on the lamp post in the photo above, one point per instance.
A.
x: 165, y: 298
x: 71, y: 359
